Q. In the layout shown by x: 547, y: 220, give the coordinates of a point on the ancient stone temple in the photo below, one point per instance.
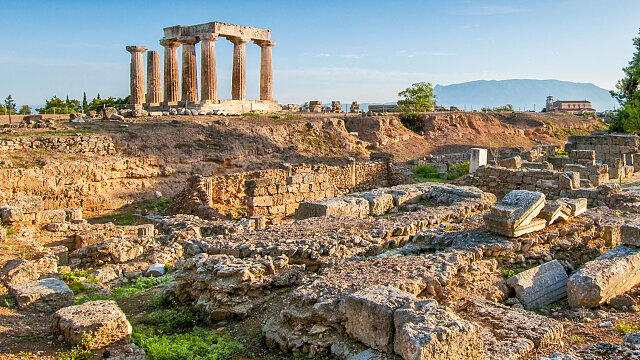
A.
x: 181, y: 85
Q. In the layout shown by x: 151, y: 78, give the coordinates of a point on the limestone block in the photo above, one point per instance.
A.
x: 146, y: 230
x: 346, y: 206
x: 155, y: 270
x: 406, y: 194
x: 611, y: 274
x: 379, y: 201
x: 11, y: 214
x: 61, y: 253
x: 108, y: 112
x: 16, y: 271
x: 515, y: 215
x: 514, y: 162
x: 630, y: 233
x: 370, y: 315
x: 541, y: 285
x: 578, y: 206
x: 46, y: 295
x: 260, y: 201
x: 426, y: 331
x: 554, y: 210
x: 52, y: 216
x: 74, y: 214
x: 103, y: 320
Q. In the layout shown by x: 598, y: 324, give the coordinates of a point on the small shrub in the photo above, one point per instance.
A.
x: 410, y: 120
x: 75, y: 279
x: 561, y: 153
x: 199, y: 344
x: 167, y: 321
x: 576, y: 338
x: 624, y: 328
x: 427, y: 171
x: 457, y: 170
x: 140, y: 284
x: 507, y: 273
x: 81, y: 351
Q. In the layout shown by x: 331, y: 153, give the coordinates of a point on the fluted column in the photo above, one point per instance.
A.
x: 266, y: 69
x: 154, y: 87
x: 189, y: 74
x: 171, y: 74
x: 137, y: 74
x: 239, y: 76
x: 208, y: 80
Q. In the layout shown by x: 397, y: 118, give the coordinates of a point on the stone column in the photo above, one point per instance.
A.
x: 189, y: 75
x: 266, y: 69
x: 208, y: 80
x: 154, y: 88
x: 478, y: 158
x: 239, y: 76
x: 171, y: 75
x: 137, y: 74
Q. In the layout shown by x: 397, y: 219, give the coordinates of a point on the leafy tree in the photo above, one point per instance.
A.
x: 628, y: 95
x: 97, y: 104
x: 85, y: 106
x: 9, y: 105
x: 418, y: 98
x: 25, y: 110
x: 56, y: 106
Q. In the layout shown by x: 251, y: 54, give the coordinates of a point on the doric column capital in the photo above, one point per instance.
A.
x: 169, y: 43
x: 265, y: 43
x: 140, y: 49
x: 208, y: 37
x: 188, y: 40
x: 238, y: 40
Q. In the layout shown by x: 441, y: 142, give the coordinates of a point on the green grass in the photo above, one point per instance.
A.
x: 457, y: 170
x: 81, y: 351
x: 140, y: 284
x: 200, y: 344
x: 624, y: 328
x: 576, y: 338
x: 251, y: 114
x: 118, y: 219
x: 125, y: 217
x: 75, y: 279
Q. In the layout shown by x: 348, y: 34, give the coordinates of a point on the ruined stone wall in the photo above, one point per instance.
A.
x: 231, y: 195
x: 101, y: 145
x: 609, y: 148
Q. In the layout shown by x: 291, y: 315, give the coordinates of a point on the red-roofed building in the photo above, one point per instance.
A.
x: 573, y: 106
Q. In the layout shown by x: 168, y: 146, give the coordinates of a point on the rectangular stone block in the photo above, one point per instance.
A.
x: 478, y: 158
x: 47, y: 295
x: 611, y: 274
x: 516, y: 213
x: 260, y: 201
x: 369, y: 315
x: 426, y: 331
x: 554, y: 210
x: 578, y: 206
x: 630, y: 233
x: 346, y: 206
x: 379, y: 202
x: 541, y: 285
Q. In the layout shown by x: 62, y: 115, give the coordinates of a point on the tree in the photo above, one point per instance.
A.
x: 628, y: 95
x: 25, y: 110
x: 57, y: 106
x: 9, y: 107
x: 418, y: 98
x: 85, y: 106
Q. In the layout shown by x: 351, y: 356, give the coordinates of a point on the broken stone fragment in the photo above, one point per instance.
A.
x: 541, y: 285
x: 516, y: 213
x: 611, y: 274
x: 426, y: 331
x: 630, y: 233
x: 46, y: 295
x: 101, y: 320
x: 370, y: 315
x: 11, y: 214
x: 155, y: 270
x: 578, y: 206
x: 555, y: 210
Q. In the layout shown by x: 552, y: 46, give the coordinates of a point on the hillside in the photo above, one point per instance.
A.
x: 521, y: 93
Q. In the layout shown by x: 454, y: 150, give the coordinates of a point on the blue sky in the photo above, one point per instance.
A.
x: 326, y: 50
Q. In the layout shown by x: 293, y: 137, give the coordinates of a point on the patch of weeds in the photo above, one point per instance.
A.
x: 561, y: 153
x: 427, y: 173
x: 251, y: 114
x: 81, y: 351
x: 28, y: 338
x: 149, y: 205
x: 576, y: 338
x: 177, y: 319
x: 457, y: 170
x: 117, y: 219
x: 140, y: 284
x: 624, y: 328
x: 303, y: 356
x: 618, y: 213
x: 7, y: 301
x: 507, y: 273
x: 75, y: 279
x: 10, y: 230
x: 199, y: 344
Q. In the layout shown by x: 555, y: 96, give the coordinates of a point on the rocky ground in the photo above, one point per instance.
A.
x: 173, y: 283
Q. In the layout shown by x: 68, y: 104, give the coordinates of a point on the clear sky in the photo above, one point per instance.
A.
x: 326, y: 50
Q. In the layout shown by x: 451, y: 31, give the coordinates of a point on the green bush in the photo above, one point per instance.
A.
x: 200, y: 344
x: 410, y: 120
x: 561, y: 153
x: 75, y: 279
x: 457, y: 170
x: 167, y: 321
x: 427, y: 171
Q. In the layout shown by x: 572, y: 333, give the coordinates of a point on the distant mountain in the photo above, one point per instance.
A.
x: 521, y: 93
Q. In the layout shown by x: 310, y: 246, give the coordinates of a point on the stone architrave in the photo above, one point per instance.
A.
x: 137, y: 74
x: 171, y: 74
x: 541, y: 285
x: 189, y: 71
x: 154, y: 87
x: 239, y: 76
x: 266, y: 69
x: 208, y: 79
x: 516, y: 213
x: 478, y: 158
